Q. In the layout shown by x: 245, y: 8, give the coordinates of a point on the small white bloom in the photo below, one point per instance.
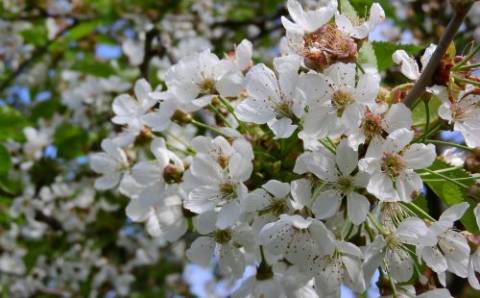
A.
x: 196, y: 79
x: 156, y: 177
x: 310, y: 20
x: 378, y: 120
x: 216, y: 175
x: 408, y: 66
x: 37, y: 140
x: 338, y: 172
x: 336, y: 100
x: 272, y: 99
x: 361, y: 31
x: 226, y: 243
x: 392, y: 164
x: 111, y: 164
x: 463, y: 111
x: 130, y: 111
x: 344, y: 265
x: 451, y: 252
x: 242, y: 56
x: 297, y: 239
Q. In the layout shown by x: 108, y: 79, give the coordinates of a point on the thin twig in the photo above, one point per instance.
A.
x: 427, y: 74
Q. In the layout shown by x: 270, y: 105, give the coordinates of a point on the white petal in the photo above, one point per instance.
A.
x: 343, y: 75
x: 316, y: 88
x: 476, y: 211
x: 282, y: 128
x: 205, y: 222
x: 202, y: 199
x: 398, y: 139
x: 232, y: 261
x: 346, y: 158
x: 243, y: 54
x: 400, y: 264
x: 367, y: 88
x: 301, y: 193
x: 408, y: 185
x: 408, y: 65
x: 276, y: 236
x: 358, y: 207
x: 254, y: 111
x: 414, y: 231
x: 240, y: 169
x: 399, y: 116
x: 206, y: 169
x: 419, y: 156
x: 427, y: 55
x: 454, y: 213
x: 201, y: 250
x: 142, y: 90
x: 228, y: 215
x: 381, y: 186
x: 327, y: 204
x: 107, y: 181
x: 147, y: 172
x: 433, y: 258
x: 277, y: 189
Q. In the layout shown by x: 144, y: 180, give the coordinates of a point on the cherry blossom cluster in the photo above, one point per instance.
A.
x: 308, y: 170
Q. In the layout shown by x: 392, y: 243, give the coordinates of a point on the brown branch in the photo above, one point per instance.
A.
x: 150, y: 52
x: 425, y: 79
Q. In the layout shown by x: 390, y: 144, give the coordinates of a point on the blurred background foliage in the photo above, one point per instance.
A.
x: 62, y: 63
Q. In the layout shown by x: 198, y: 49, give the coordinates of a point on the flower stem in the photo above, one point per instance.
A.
x: 427, y: 120
x: 447, y: 178
x: 328, y: 146
x: 217, y: 112
x: 439, y: 142
x: 417, y: 210
x: 206, y: 126
x: 467, y: 58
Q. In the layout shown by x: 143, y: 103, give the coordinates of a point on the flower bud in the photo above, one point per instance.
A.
x: 328, y: 45
x: 182, y: 117
x: 172, y: 174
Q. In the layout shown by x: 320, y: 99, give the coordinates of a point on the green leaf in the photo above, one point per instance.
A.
x: 12, y: 123
x: 347, y: 9
x: 362, y: 7
x: 385, y: 50
x: 5, y: 162
x: 366, y: 55
x: 82, y: 30
x: 44, y: 109
x: 452, y: 194
x: 90, y: 65
x: 70, y: 141
x: 418, y: 113
x: 36, y: 35
x: 9, y: 186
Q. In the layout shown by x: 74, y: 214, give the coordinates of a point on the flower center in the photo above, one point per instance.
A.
x: 284, y: 108
x: 344, y: 184
x: 171, y: 174
x: 222, y: 236
x: 207, y: 86
x: 223, y: 161
x: 276, y: 207
x: 372, y: 125
x: 228, y: 191
x: 341, y: 100
x: 328, y: 45
x: 392, y: 164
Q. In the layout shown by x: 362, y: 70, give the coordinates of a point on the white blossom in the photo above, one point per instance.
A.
x: 392, y: 164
